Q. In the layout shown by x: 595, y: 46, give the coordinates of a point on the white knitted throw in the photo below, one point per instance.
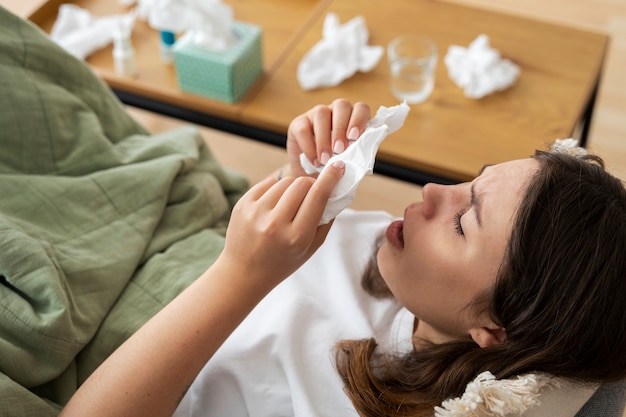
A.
x: 486, y: 396
x: 568, y: 146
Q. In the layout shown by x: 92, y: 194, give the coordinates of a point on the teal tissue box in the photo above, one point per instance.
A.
x: 222, y: 75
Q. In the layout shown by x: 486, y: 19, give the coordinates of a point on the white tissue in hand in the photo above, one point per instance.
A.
x: 79, y: 33
x: 341, y: 52
x: 210, y: 21
x: 479, y: 69
x: 359, y: 158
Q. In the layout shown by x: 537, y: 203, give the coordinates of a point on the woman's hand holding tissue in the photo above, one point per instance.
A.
x: 274, y: 228
x: 323, y: 131
x: 320, y: 136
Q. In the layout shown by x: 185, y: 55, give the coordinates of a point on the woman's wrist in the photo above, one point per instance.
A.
x: 251, y: 283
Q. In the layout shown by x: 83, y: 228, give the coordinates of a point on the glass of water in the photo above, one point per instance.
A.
x: 412, y: 61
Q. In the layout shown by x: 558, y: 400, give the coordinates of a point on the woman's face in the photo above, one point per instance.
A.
x: 447, y: 250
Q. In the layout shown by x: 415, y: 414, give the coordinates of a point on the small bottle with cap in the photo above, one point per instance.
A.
x: 123, y: 52
x: 167, y: 43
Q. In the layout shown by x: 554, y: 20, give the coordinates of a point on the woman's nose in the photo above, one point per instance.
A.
x: 432, y: 195
x: 438, y: 197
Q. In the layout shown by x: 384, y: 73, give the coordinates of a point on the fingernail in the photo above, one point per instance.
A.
x: 339, y: 147
x: 324, y: 158
x: 353, y: 134
x: 339, y: 164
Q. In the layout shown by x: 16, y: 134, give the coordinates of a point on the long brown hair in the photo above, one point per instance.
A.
x: 559, y: 294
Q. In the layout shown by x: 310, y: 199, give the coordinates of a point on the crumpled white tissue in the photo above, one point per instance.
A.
x: 209, y: 21
x: 359, y: 158
x: 479, y: 69
x: 341, y: 52
x: 81, y: 34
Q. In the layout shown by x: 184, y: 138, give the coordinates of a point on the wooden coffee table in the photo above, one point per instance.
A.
x: 446, y: 139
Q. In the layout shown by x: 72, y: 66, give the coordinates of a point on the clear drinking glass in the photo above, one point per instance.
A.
x: 412, y: 61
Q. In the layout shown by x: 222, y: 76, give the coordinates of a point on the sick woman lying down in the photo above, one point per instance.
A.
x: 491, y: 297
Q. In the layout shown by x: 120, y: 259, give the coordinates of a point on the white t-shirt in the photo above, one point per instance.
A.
x: 280, y: 360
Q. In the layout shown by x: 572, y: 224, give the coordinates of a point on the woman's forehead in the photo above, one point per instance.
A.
x: 506, y: 181
x: 527, y: 165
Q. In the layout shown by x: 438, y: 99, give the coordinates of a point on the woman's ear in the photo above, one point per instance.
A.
x: 488, y: 336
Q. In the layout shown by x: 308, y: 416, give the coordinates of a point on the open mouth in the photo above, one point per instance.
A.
x: 395, y: 234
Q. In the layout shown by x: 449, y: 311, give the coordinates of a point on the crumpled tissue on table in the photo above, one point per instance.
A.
x: 359, y: 157
x: 479, y: 69
x: 81, y: 34
x: 341, y: 52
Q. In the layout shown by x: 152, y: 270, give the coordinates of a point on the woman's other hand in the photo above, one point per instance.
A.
x: 323, y: 131
x: 274, y: 228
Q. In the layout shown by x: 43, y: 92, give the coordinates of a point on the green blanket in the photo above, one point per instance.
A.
x: 101, y: 223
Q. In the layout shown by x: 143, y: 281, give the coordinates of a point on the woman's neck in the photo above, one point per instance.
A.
x: 424, y: 334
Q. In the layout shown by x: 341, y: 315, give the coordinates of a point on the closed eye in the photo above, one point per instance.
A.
x: 457, y: 222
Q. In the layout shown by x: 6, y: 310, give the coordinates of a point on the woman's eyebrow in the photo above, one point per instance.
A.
x: 483, y: 169
x: 476, y: 203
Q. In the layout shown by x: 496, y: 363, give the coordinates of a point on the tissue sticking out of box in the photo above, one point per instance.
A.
x: 479, y: 69
x: 209, y: 21
x: 341, y: 52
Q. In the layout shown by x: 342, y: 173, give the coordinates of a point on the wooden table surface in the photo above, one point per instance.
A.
x: 449, y: 135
